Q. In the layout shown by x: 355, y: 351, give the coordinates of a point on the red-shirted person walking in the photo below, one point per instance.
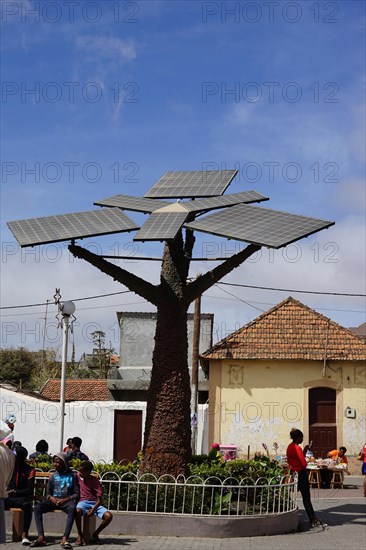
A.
x: 296, y: 461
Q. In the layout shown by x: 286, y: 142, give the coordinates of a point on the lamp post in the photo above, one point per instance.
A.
x: 195, y: 361
x: 67, y: 309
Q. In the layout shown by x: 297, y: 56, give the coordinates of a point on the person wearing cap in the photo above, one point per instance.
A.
x: 63, y: 492
x: 10, y: 420
x: 7, y: 460
x: 20, y: 490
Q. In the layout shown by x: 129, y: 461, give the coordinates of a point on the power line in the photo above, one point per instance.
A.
x: 33, y: 313
x: 240, y: 299
x: 219, y: 283
x: 73, y: 300
x: 293, y: 290
x: 271, y: 304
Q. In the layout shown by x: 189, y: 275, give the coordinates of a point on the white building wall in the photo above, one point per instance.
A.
x: 93, y: 421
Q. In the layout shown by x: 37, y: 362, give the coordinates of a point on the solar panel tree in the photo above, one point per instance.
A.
x: 167, y: 436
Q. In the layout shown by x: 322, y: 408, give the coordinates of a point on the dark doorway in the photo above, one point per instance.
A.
x: 322, y: 421
x: 127, y: 435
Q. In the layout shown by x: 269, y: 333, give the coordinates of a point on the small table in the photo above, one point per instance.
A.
x: 322, y: 475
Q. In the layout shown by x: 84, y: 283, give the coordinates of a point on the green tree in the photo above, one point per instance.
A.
x: 47, y: 366
x: 17, y: 365
x: 101, y: 354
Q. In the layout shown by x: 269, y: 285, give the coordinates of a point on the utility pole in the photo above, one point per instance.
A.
x: 67, y: 310
x: 194, y: 380
x: 44, y: 337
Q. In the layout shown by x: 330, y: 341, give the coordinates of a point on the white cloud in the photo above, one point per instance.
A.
x: 31, y: 276
x: 101, y: 47
x: 350, y: 196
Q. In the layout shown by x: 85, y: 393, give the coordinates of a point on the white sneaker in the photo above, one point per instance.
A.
x: 25, y: 542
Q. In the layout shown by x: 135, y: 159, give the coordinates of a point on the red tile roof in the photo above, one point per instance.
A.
x: 290, y: 330
x: 77, y: 390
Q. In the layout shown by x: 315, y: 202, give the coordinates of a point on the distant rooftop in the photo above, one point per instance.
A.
x: 77, y: 390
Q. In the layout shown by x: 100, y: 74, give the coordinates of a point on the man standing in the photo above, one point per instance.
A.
x: 20, y: 490
x: 62, y: 494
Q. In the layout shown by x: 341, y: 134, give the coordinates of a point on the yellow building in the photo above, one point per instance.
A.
x: 289, y: 367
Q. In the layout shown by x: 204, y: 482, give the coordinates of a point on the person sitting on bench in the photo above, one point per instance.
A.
x: 90, y: 502
x: 20, y: 490
x: 62, y: 494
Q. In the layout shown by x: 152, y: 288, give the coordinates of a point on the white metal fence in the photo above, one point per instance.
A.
x: 193, y: 495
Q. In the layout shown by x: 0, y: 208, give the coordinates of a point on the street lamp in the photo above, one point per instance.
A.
x: 194, y: 378
x: 66, y: 309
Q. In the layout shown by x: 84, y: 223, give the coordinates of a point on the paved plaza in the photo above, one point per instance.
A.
x: 342, y: 509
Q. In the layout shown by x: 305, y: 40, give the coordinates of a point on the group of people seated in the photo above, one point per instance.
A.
x: 41, y: 453
x: 76, y: 493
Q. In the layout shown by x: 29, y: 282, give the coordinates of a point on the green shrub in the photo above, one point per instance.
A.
x: 44, y: 466
x: 239, y: 469
x: 193, y: 499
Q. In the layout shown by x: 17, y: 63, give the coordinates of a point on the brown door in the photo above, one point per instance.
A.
x: 127, y: 435
x: 322, y: 421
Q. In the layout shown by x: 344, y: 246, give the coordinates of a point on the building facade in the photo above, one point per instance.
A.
x: 290, y: 367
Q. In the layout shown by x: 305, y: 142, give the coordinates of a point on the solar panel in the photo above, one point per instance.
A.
x: 224, y: 200
x: 137, y: 204
x: 161, y: 226
x: 195, y: 183
x: 258, y: 225
x: 64, y: 227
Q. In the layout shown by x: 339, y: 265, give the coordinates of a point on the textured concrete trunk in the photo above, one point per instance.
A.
x: 167, y: 430
x: 167, y: 441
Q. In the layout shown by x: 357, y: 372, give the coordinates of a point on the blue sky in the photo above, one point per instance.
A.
x: 124, y: 91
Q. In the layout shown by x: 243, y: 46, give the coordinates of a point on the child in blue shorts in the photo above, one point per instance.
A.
x: 90, y: 502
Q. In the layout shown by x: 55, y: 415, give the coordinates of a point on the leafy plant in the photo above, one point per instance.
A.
x: 222, y: 503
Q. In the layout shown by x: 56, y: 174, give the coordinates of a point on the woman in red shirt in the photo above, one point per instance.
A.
x: 296, y: 461
x: 363, y: 469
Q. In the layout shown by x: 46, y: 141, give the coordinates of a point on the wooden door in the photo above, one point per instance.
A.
x: 322, y: 421
x: 127, y: 435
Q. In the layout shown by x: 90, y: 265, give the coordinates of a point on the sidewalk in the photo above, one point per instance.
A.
x: 342, y: 509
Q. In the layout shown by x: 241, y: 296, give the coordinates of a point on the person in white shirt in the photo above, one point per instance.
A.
x: 10, y: 420
x: 7, y: 461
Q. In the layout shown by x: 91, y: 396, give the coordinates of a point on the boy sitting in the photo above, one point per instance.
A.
x: 62, y: 494
x: 90, y: 502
